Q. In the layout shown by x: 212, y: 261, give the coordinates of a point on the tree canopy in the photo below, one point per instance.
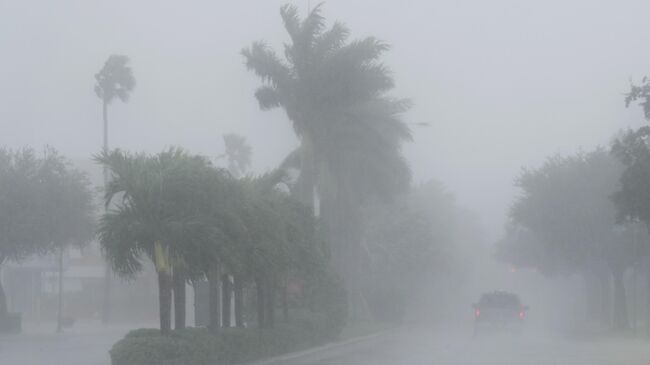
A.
x: 570, y: 221
x: 44, y: 204
x: 115, y: 79
x: 335, y: 91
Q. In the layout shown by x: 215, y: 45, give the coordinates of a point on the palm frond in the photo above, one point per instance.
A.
x: 331, y: 40
x: 266, y: 65
x: 268, y: 97
x: 312, y: 26
x: 289, y: 14
x: 115, y: 79
x: 121, y: 239
x: 363, y: 51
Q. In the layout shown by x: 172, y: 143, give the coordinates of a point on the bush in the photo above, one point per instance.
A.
x: 327, y: 299
x: 197, y: 346
x: 145, y: 346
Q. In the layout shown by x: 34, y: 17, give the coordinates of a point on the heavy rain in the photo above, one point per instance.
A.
x: 340, y: 182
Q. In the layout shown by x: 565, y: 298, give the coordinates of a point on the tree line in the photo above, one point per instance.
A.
x: 313, y: 220
x: 587, y: 213
x: 194, y: 221
x: 46, y: 205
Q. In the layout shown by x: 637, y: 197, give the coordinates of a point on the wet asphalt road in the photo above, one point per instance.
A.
x: 426, y: 347
x: 408, y: 346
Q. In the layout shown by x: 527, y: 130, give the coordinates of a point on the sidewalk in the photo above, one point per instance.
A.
x: 86, y: 343
x: 331, y: 346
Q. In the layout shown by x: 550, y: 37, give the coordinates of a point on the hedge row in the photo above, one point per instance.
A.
x: 197, y: 346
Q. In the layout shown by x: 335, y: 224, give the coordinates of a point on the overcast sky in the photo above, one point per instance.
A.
x: 502, y: 83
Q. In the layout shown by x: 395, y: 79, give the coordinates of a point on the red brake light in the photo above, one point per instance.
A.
x: 477, y: 313
x: 522, y: 314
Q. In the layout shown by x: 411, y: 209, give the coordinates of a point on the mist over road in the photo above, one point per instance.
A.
x: 80, y: 345
x: 427, y: 347
x: 408, y: 346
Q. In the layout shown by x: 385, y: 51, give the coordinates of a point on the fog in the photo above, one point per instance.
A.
x: 497, y: 86
x: 502, y: 84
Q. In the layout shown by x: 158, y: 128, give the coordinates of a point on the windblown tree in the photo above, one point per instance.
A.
x: 68, y: 205
x: 114, y: 81
x: 45, y: 206
x: 633, y: 199
x: 284, y: 246
x: 632, y: 149
x: 335, y: 93
x: 156, y: 213
x: 238, y: 154
x: 566, y: 204
x: 417, y: 244
x: 20, y: 187
x: 640, y: 93
x: 403, y: 254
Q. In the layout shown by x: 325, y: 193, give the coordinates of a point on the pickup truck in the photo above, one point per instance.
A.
x: 499, y: 310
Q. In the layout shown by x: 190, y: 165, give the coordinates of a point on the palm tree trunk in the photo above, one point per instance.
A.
x: 213, y: 283
x: 4, y: 310
x: 647, y: 304
x: 165, y: 301
x: 226, y: 297
x: 260, y: 298
x: 239, y: 301
x: 285, y: 301
x: 270, y: 303
x: 605, y: 298
x: 179, y: 299
x: 620, y: 300
x: 592, y: 292
x: 106, y: 309
x: 59, y: 313
x: 3, y: 302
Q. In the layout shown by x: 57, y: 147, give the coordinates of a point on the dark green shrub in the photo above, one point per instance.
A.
x: 146, y: 346
x: 197, y: 346
x: 327, y: 300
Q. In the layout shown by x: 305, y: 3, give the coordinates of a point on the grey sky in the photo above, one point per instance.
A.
x: 502, y: 83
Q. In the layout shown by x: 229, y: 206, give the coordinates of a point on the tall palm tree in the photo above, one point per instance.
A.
x: 335, y: 92
x: 114, y: 80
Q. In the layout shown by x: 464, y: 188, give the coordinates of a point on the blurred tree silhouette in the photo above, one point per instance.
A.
x: 335, y: 92
x: 114, y: 80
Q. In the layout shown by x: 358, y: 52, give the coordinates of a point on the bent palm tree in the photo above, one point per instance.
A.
x: 155, y: 213
x: 114, y: 80
x: 334, y: 91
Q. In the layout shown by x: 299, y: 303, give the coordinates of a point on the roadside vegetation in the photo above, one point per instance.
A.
x: 588, y: 214
x: 336, y: 234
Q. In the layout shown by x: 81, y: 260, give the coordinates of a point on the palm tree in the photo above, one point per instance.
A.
x: 238, y: 154
x: 335, y: 92
x: 156, y: 212
x: 114, y: 80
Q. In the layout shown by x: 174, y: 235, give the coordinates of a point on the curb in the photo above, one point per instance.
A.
x: 313, y: 350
